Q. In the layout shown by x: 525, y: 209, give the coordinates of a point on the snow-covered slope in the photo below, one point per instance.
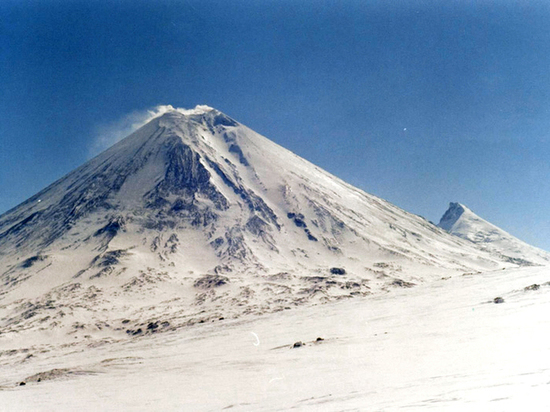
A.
x: 197, y: 227
x: 195, y: 217
x: 462, y: 222
x: 441, y: 346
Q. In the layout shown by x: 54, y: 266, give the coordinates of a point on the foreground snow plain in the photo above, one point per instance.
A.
x: 442, y: 345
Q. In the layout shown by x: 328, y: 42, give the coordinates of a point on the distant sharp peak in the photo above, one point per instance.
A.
x: 452, y: 215
x: 462, y: 222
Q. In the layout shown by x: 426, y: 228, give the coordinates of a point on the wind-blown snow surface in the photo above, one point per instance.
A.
x: 441, y: 346
x: 462, y: 222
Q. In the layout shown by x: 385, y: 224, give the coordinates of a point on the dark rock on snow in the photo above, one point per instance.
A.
x: 337, y: 271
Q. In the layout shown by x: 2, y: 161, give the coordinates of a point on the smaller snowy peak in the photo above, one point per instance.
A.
x: 462, y: 222
x: 451, y: 216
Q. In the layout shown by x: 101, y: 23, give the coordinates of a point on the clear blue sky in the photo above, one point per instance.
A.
x: 419, y: 102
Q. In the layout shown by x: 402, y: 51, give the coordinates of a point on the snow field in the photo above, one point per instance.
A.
x: 442, y: 346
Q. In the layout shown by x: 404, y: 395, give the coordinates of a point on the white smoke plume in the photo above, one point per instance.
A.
x: 108, y: 134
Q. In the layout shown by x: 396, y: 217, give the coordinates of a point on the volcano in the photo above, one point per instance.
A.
x: 195, y: 217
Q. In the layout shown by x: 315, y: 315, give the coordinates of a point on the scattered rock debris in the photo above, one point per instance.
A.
x: 32, y: 260
x: 402, y: 283
x: 210, y: 281
x: 534, y: 286
x: 152, y: 327
x: 337, y: 271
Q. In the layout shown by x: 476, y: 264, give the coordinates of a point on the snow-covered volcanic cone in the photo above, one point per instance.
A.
x: 195, y: 217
